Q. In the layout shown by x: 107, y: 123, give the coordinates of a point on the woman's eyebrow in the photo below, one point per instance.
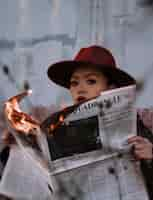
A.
x: 92, y: 74
x: 74, y: 77
x: 86, y: 75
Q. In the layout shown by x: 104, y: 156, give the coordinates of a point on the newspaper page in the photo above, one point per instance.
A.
x: 23, y: 179
x: 106, y: 171
x: 27, y: 174
x: 117, y: 118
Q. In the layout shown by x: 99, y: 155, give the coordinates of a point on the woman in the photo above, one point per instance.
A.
x: 91, y: 72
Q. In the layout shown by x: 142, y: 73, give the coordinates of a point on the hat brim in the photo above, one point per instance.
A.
x: 60, y: 73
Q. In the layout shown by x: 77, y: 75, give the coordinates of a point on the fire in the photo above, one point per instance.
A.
x: 57, y: 124
x: 61, y: 118
x: 52, y: 127
x: 19, y: 120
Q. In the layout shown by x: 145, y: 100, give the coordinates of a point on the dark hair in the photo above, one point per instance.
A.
x: 112, y: 80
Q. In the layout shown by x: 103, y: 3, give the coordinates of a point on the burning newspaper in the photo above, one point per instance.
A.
x: 87, y: 152
x: 26, y: 174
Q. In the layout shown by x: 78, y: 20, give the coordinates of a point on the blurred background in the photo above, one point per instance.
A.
x: 37, y: 33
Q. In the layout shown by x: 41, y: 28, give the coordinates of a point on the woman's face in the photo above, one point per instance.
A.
x: 87, y: 83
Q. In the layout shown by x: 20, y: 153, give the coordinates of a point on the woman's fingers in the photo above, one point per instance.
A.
x: 142, y: 147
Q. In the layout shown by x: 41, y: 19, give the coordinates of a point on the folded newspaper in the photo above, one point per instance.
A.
x: 88, y: 154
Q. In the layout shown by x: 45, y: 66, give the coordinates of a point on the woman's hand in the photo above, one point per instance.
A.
x: 142, y: 147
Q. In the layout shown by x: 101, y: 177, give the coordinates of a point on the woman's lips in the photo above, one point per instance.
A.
x: 81, y: 99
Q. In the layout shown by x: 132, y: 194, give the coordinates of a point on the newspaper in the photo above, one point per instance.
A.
x: 95, y: 163
x: 116, y: 116
x: 108, y: 172
x: 26, y: 175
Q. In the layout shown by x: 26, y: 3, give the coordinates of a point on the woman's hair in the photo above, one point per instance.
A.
x: 112, y: 80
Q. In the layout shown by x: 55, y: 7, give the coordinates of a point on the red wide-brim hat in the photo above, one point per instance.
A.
x: 95, y: 56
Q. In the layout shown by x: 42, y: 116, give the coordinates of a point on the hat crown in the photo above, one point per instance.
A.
x: 96, y: 55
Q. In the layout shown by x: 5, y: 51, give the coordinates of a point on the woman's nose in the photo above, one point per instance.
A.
x: 81, y: 92
x: 82, y: 89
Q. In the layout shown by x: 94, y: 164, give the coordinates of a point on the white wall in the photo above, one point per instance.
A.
x: 37, y: 33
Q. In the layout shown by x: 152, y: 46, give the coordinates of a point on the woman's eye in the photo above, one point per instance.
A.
x: 91, y: 81
x: 73, y: 83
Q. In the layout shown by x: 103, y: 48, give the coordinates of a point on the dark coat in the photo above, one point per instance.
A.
x: 146, y: 166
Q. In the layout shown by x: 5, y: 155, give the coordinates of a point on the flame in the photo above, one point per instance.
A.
x: 19, y: 120
x: 52, y: 127
x: 61, y: 118
x: 57, y: 124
